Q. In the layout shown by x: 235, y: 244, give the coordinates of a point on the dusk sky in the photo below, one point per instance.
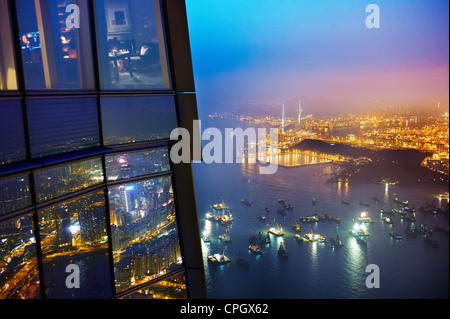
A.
x: 320, y: 51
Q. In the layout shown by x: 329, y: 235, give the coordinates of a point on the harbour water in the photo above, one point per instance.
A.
x: 409, y: 268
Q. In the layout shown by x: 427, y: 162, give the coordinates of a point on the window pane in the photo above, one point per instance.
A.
x: 14, y: 194
x: 129, y: 165
x: 62, y: 125
x: 131, y: 44
x: 8, y: 76
x: 55, y: 54
x: 171, y: 288
x: 19, y: 277
x: 75, y: 233
x: 12, y: 137
x: 61, y: 180
x: 144, y: 232
x: 137, y: 119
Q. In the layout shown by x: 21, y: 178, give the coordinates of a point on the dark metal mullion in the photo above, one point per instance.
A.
x: 70, y: 196
x: 108, y: 231
x: 17, y: 214
x: 138, y: 179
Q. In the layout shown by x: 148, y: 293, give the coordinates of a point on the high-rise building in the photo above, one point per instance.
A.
x: 86, y: 114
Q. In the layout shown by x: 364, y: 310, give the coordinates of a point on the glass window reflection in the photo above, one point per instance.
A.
x: 129, y: 165
x: 12, y: 136
x: 137, y: 119
x: 54, y: 55
x: 61, y: 180
x: 14, y: 194
x: 144, y: 232
x: 19, y: 277
x: 8, y: 75
x: 131, y: 44
x: 62, y: 125
x: 74, y: 233
x: 171, y: 288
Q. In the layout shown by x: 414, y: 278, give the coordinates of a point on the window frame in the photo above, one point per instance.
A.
x: 179, y: 65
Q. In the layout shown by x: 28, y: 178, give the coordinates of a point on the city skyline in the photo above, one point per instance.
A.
x: 320, y: 53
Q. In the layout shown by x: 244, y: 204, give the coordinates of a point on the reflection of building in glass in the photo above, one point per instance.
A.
x: 92, y: 224
x: 145, y: 238
x: 62, y: 225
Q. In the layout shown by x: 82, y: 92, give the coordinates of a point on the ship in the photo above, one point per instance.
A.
x: 364, y: 204
x: 206, y: 239
x: 376, y: 199
x: 334, y: 242
x: 267, y: 209
x: 241, y: 261
x: 246, y: 202
x: 288, y: 206
x: 395, y: 236
x: 254, y: 249
x: 314, y: 237
x: 314, y: 202
x: 359, y: 231
x: 429, y: 241
x: 246, y: 179
x: 411, y: 230
x: 363, y: 218
x: 361, y: 241
x: 309, y: 219
x: 220, y: 207
x: 282, y: 251
x: 277, y: 231
x: 387, y: 220
x: 299, y: 238
x: 261, y: 217
x: 403, y: 202
x: 225, y: 237
x: 296, y: 226
x: 345, y: 202
x: 219, y: 259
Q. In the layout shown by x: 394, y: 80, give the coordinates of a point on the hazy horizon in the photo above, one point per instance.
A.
x: 265, y: 53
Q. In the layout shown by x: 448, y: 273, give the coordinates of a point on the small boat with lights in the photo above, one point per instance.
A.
x: 363, y: 218
x: 261, y: 217
x: 334, y: 242
x: 220, y: 207
x: 219, y: 259
x: 254, y: 249
x: 359, y: 231
x: 282, y: 251
x: 277, y: 231
x: 296, y: 226
x: 402, y: 202
x: 387, y: 220
x: 395, y: 236
x: 225, y: 237
x: 311, y: 236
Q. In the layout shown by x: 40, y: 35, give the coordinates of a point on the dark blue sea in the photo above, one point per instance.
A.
x: 409, y: 268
